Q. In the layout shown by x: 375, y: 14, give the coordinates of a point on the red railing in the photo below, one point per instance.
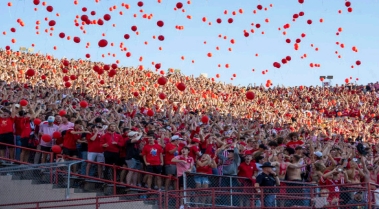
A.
x: 155, y: 198
x: 114, y: 168
x: 244, y: 198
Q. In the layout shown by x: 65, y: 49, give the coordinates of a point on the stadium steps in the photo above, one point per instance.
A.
x: 35, y: 186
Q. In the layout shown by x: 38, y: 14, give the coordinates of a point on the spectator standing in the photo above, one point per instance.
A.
x: 268, y: 178
x: 47, y: 128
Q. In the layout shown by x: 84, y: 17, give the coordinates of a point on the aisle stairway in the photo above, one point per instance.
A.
x: 29, y: 186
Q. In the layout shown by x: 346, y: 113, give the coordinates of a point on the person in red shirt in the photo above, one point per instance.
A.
x: 294, y: 137
x: 111, y: 142
x: 95, y: 149
x: 153, y: 158
x: 247, y: 169
x: 195, y: 152
x: 171, y: 151
x: 70, y: 139
x: 25, y: 128
x: 7, y: 119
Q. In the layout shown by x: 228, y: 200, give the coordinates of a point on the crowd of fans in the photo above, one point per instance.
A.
x: 326, y: 136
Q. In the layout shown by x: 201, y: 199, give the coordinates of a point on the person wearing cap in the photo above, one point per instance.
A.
x: 133, y: 158
x: 171, y: 151
x: 46, y: 128
x: 268, y: 178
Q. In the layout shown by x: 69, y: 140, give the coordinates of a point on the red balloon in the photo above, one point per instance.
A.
x: 295, y: 16
x: 30, y: 72
x: 88, y: 56
x: 49, y: 8
x: 83, y: 104
x: 347, y: 80
x: 66, y: 63
x: 288, y: 40
x: 230, y: 20
x: 46, y: 138
x: 126, y: 36
x: 107, y: 67
x: 162, y: 81
x: 259, y: 7
x: 301, y: 1
x: 107, y: 17
x: 65, y: 70
x: 246, y: 34
x: 114, y: 66
x: 62, y: 35
x: 205, y: 119
x: 150, y: 113
x: 37, y: 121
x: 258, y: 25
x: 181, y: 86
x: 100, y: 22
x: 288, y: 58
x: 298, y: 40
x: 67, y: 84
x: 36, y: 2
x: 134, y: 28
x: 66, y: 78
x: 7, y: 48
x: 162, y: 96
x: 158, y: 65
x: 284, y: 61
x: 96, y: 68
x: 93, y: 13
x: 57, y: 135
x: 72, y: 77
x: 140, y: 3
x: 301, y: 13
x: 112, y: 73
x: 43, y: 77
x: 13, y: 30
x: 84, y: 18
x: 161, y: 38
x: 128, y: 54
x: 76, y: 39
x: 23, y: 102
x: 136, y: 94
x: 348, y: 4
x: 84, y: 9
x: 160, y: 23
x: 102, y: 82
x: 179, y: 5
x: 56, y: 149
x: 250, y: 95
x: 358, y: 62
x: 309, y: 22
x: 62, y: 113
x: 218, y: 20
x: 103, y: 43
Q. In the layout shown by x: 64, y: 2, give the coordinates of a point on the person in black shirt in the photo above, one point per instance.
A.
x: 268, y: 178
x: 132, y: 158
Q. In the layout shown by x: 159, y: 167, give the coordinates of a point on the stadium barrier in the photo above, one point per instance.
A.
x: 135, y: 201
x: 111, y: 181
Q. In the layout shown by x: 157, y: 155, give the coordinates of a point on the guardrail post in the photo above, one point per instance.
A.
x: 68, y: 181
x: 97, y: 202
x: 184, y: 188
x: 231, y: 190
x: 213, y: 198
x: 114, y: 180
